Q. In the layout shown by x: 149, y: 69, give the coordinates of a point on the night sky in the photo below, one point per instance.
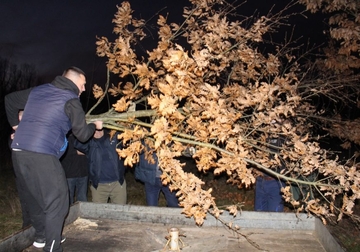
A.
x: 52, y: 35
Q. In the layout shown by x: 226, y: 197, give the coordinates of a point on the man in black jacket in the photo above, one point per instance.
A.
x: 75, y: 166
x: 50, y: 111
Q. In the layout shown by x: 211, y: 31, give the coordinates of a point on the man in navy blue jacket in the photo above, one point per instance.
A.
x: 106, y: 169
x: 268, y: 196
x: 50, y: 111
x: 149, y: 173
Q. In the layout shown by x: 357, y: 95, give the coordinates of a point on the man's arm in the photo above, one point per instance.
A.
x: 13, y: 103
x: 81, y: 130
x: 82, y: 147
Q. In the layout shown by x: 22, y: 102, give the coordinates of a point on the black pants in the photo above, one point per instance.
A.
x: 43, y: 187
x: 24, y: 208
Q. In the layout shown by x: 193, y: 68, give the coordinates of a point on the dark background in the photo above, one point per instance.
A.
x: 52, y: 35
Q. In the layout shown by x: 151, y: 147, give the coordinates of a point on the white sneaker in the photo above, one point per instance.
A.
x: 40, y: 243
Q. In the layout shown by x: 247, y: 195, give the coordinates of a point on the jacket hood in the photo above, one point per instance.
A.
x: 64, y: 83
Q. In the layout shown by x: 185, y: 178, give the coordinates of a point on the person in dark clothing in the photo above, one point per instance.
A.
x: 106, y: 169
x: 24, y: 209
x: 75, y: 166
x: 50, y: 111
x: 149, y: 173
x: 268, y: 196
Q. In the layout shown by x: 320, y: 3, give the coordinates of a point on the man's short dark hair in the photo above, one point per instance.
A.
x: 75, y: 69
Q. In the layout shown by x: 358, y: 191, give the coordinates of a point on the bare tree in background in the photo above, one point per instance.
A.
x: 12, y: 78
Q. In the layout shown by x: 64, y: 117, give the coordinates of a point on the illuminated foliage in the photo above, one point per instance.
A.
x: 218, y: 93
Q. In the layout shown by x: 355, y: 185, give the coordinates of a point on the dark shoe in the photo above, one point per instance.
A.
x: 40, y: 242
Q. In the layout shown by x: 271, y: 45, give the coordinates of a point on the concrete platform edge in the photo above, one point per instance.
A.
x: 326, y: 239
x: 131, y: 213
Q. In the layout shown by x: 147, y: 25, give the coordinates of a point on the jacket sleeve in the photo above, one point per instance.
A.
x: 83, y: 147
x: 13, y: 103
x: 81, y: 130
